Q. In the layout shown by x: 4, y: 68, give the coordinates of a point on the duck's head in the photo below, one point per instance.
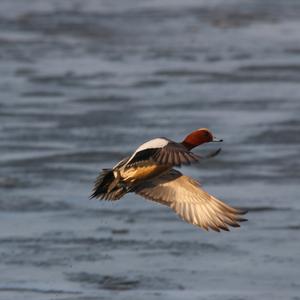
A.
x: 198, y: 137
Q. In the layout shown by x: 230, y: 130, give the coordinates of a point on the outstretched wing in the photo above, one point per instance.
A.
x: 194, y: 205
x: 162, y: 151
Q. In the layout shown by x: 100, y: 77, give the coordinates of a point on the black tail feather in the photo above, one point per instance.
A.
x: 102, y: 183
x: 106, y: 187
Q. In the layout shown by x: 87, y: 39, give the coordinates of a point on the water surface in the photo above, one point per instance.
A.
x: 83, y: 83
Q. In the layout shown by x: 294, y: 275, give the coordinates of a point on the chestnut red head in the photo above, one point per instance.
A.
x: 198, y: 137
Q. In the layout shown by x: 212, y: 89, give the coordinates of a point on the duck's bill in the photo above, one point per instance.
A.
x: 217, y: 140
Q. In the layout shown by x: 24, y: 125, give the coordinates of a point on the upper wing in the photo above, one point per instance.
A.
x: 175, y: 154
x: 185, y: 196
x: 162, y: 151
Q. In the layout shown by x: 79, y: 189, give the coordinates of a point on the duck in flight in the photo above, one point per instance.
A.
x: 149, y: 173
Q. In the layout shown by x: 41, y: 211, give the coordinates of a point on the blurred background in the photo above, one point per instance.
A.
x: 83, y: 83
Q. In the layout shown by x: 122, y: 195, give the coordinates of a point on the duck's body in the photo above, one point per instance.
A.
x: 149, y: 172
x: 152, y: 159
x: 136, y: 174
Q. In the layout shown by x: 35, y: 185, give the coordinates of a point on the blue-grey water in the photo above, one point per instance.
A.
x: 82, y: 83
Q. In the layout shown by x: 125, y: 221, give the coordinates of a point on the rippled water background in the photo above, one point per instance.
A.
x: 82, y: 83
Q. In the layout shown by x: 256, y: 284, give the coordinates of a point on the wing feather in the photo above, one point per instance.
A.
x: 194, y: 205
x: 162, y: 151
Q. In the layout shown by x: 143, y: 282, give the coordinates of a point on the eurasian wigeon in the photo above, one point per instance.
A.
x: 149, y: 172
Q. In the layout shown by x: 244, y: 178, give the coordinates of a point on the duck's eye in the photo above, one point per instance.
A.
x: 208, y: 136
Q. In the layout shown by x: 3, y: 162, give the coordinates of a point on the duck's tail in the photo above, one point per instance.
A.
x: 107, y: 187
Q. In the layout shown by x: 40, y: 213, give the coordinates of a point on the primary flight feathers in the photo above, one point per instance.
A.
x: 149, y: 173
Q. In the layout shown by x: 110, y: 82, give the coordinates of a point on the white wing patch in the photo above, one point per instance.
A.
x: 155, y: 143
x: 152, y: 144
